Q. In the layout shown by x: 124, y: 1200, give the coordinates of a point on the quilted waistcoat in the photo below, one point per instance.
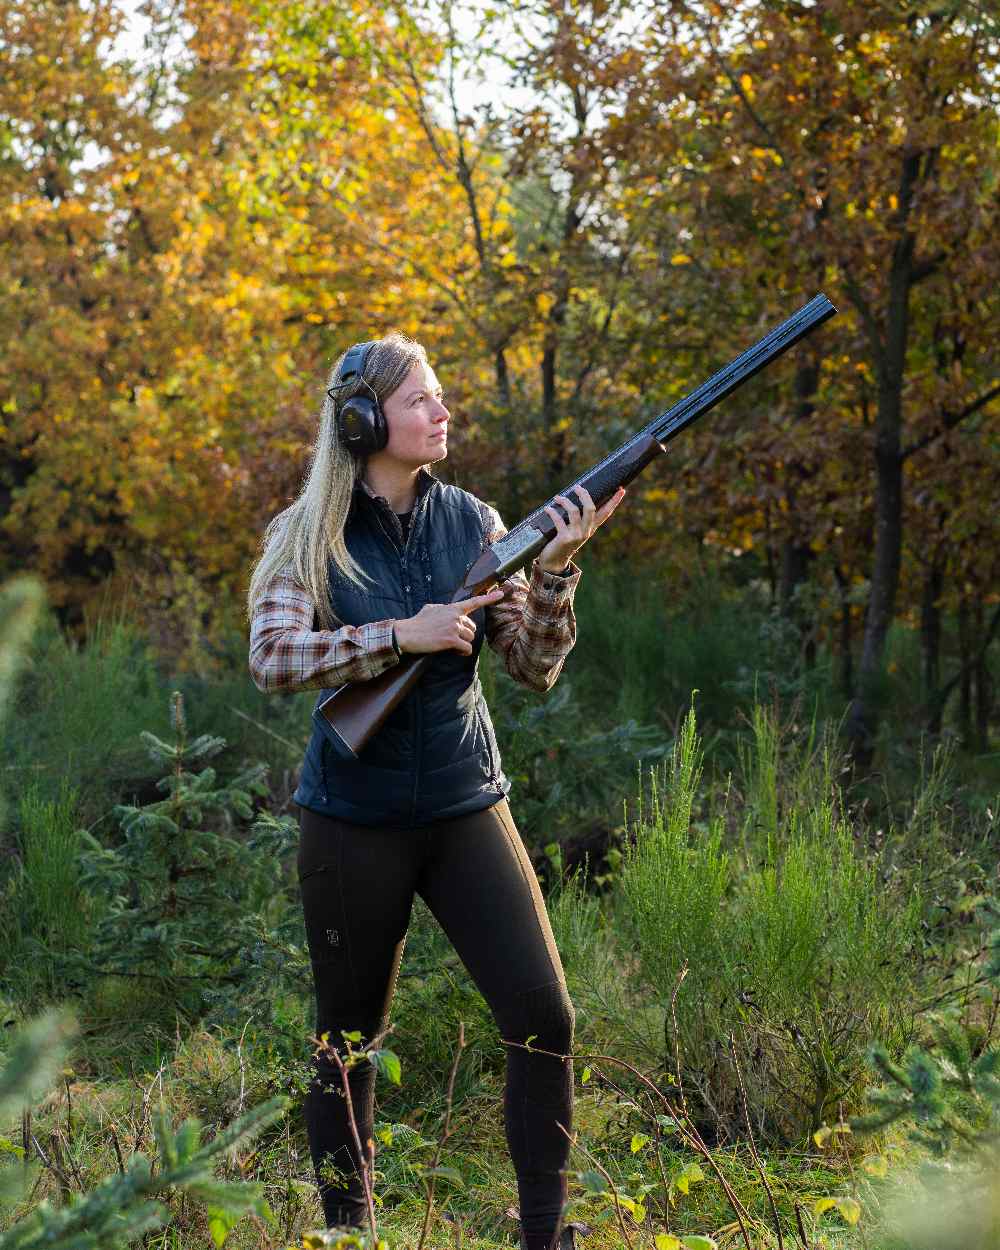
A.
x: 436, y: 756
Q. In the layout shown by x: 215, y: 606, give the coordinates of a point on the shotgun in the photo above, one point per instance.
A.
x: 351, y: 714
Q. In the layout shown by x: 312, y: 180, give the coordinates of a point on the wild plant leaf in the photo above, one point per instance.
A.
x: 593, y: 1182
x: 388, y: 1065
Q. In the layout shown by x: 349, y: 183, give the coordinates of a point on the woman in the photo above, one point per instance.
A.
x: 355, y: 574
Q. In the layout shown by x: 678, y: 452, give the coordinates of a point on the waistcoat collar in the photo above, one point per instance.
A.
x: 425, y: 480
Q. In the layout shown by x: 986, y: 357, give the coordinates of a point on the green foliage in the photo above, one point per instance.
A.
x: 799, y: 941
x: 946, y: 1094
x: 540, y: 741
x: 44, y: 914
x: 187, y: 903
x: 77, y: 713
x: 124, y: 1207
x: 21, y: 602
x: 675, y: 877
x: 726, y: 641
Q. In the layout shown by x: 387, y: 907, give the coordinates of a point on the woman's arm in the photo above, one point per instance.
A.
x: 533, y: 628
x: 287, y: 654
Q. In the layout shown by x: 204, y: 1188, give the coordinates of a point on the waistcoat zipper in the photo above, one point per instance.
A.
x: 417, y: 717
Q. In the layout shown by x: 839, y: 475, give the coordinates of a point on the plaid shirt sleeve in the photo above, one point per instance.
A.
x: 287, y: 654
x: 533, y: 628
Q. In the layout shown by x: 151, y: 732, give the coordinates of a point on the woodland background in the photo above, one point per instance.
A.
x: 766, y: 825
x: 581, y: 210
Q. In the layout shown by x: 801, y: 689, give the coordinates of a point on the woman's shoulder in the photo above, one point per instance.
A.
x: 456, y: 499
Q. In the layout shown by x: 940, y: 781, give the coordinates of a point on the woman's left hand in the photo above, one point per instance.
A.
x: 572, y: 534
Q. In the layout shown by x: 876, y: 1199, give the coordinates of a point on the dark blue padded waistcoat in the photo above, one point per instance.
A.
x: 436, y: 756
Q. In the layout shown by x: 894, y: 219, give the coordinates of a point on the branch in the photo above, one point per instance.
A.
x: 950, y: 420
x: 945, y: 691
x: 867, y: 316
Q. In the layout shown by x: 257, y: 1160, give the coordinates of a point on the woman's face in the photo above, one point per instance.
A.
x: 417, y: 419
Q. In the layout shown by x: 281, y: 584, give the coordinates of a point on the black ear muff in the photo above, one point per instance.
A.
x: 360, y: 419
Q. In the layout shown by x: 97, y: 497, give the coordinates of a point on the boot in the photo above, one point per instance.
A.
x: 567, y: 1238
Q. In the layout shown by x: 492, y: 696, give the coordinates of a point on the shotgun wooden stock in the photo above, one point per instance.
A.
x: 351, y: 714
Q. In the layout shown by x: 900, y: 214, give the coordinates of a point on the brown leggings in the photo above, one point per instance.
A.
x: 358, y: 883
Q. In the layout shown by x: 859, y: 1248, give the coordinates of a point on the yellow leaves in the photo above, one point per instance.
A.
x: 680, y: 258
x: 848, y: 1208
x: 893, y: 203
x: 508, y: 260
x: 544, y: 301
x: 746, y: 82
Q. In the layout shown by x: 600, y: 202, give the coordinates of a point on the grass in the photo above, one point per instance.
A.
x: 794, y: 906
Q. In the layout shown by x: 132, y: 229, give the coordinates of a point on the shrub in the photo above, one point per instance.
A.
x: 794, y: 938
x: 187, y: 904
x: 44, y: 914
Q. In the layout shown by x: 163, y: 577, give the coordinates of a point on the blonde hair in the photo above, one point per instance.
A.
x: 301, y: 540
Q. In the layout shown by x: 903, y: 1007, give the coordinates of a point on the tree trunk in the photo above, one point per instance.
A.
x: 888, y: 347
x: 930, y: 645
x: 965, y: 679
x: 794, y: 572
x: 846, y: 642
x: 983, y: 685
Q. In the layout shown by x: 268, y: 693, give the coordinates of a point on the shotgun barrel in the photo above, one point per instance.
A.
x: 350, y: 715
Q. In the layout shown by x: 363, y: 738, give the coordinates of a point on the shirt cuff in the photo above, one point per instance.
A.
x: 555, y: 586
x: 379, y: 649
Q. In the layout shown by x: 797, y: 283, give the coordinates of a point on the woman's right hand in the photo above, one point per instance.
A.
x: 444, y: 626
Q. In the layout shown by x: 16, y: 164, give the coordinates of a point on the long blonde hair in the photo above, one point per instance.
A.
x: 302, y: 539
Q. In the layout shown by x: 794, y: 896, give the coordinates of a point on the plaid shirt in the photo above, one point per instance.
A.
x: 533, y: 629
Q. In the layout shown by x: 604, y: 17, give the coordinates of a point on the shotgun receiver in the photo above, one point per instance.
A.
x: 351, y: 714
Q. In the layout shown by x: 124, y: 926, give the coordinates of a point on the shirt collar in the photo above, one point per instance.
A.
x: 425, y: 480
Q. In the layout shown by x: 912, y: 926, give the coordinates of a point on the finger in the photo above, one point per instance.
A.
x: 606, y: 509
x: 557, y: 518
x: 573, y: 510
x: 589, y: 507
x: 484, y: 600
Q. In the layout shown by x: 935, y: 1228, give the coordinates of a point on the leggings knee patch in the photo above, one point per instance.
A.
x: 547, y: 1011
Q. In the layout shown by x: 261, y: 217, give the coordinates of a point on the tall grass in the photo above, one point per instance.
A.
x: 77, y: 713
x: 792, y: 936
x: 674, y: 880
x: 45, y: 915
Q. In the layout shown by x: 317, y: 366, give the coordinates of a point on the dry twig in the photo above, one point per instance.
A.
x: 446, y: 1132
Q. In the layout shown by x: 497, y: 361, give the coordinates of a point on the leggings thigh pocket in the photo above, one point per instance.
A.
x: 322, y: 908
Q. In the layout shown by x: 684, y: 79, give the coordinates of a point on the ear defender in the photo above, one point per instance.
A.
x: 360, y: 419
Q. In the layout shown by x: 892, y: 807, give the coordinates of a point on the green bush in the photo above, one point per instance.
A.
x: 792, y: 938
x: 187, y: 902
x: 45, y: 916
x: 77, y: 712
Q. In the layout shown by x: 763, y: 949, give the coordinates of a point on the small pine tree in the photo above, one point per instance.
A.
x: 184, y: 896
